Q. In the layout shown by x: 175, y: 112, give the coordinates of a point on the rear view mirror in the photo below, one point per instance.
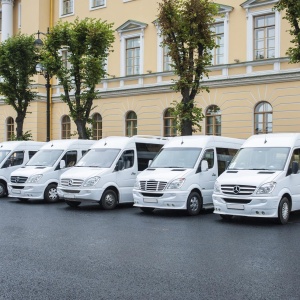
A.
x: 119, y: 165
x: 204, y: 165
x: 62, y: 164
x: 295, y: 167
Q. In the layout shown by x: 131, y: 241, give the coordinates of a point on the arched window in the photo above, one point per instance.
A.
x: 263, y: 118
x: 65, y: 127
x: 213, y: 120
x: 10, y: 128
x: 131, y: 123
x: 97, y: 126
x: 169, y: 124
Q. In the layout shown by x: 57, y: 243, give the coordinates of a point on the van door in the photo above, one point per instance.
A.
x: 126, y: 176
x: 207, y: 179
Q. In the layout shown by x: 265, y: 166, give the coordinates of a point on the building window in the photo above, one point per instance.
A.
x: 133, y: 56
x: 65, y: 127
x: 131, y: 124
x: 169, y: 124
x: 218, y: 52
x: 97, y: 126
x: 263, y: 118
x: 97, y: 3
x: 167, y: 60
x: 264, y: 36
x: 67, y: 7
x: 213, y: 120
x: 10, y: 128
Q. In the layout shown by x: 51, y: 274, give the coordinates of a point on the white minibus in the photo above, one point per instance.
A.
x: 183, y: 174
x: 263, y: 179
x: 38, y: 179
x: 13, y: 155
x: 106, y: 174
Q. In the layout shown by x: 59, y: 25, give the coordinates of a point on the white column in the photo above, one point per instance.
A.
x: 7, y: 19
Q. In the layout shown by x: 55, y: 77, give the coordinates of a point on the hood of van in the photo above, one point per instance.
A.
x: 163, y: 174
x: 83, y: 173
x: 28, y: 171
x: 248, y: 177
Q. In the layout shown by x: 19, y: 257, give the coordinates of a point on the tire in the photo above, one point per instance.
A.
x: 284, y: 209
x: 147, y: 210
x: 194, y: 204
x: 50, y: 194
x: 109, y: 200
x: 3, y: 189
x: 73, y: 203
x: 226, y: 217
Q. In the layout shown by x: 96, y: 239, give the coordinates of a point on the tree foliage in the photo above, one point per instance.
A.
x: 87, y: 43
x: 18, y: 59
x: 292, y: 8
x: 186, y: 30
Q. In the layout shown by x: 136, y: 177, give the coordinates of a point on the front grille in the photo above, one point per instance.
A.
x: 236, y: 200
x: 18, y: 179
x: 71, y: 182
x: 153, y: 185
x: 231, y: 189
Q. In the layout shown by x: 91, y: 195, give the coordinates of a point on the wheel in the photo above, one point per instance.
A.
x: 73, y: 203
x: 284, y: 209
x: 226, y: 217
x: 193, y: 204
x: 147, y: 210
x: 3, y: 189
x: 109, y: 200
x: 50, y: 194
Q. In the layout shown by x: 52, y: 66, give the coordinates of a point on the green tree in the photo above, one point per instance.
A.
x: 292, y: 8
x: 186, y: 30
x: 87, y: 43
x: 18, y: 59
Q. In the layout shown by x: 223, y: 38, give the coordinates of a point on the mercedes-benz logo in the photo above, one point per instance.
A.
x: 236, y: 189
x: 70, y: 182
x: 17, y: 179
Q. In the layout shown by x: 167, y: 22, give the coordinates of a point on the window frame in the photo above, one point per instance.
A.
x: 97, y: 129
x: 93, y: 7
x: 166, y: 127
x: 65, y: 133
x: 10, y: 128
x: 130, y: 125
x: 214, y: 124
x: 264, y: 121
x: 62, y: 8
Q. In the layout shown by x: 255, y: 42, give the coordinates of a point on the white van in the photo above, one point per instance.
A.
x: 13, y: 155
x: 262, y: 180
x: 183, y: 174
x: 106, y: 174
x: 38, y: 179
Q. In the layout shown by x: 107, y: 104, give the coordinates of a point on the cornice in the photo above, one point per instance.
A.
x: 7, y: 2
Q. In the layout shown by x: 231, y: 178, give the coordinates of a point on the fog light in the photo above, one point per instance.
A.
x: 257, y: 212
x: 263, y: 212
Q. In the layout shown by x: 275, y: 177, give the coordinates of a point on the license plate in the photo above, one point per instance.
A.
x: 16, y: 191
x: 69, y: 196
x: 236, y: 206
x: 150, y: 200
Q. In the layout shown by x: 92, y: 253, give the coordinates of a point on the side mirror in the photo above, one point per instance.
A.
x: 119, y: 165
x: 295, y: 167
x: 204, y: 165
x: 62, y: 164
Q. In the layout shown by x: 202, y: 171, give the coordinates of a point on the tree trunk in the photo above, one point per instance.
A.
x: 186, y: 128
x: 19, y: 130
x: 186, y: 125
x: 82, y: 132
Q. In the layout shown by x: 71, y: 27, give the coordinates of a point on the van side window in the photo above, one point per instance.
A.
x: 295, y: 157
x: 83, y: 152
x: 128, y: 159
x: 224, y: 157
x: 70, y: 158
x: 209, y: 156
x: 146, y: 152
x: 31, y: 153
x: 15, y: 159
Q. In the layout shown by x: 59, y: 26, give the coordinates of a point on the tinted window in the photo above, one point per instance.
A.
x: 224, y: 157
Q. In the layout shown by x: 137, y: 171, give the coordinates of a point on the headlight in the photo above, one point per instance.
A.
x: 34, y: 178
x: 217, y: 187
x: 137, y: 185
x: 266, y: 188
x: 176, y: 184
x: 91, y: 181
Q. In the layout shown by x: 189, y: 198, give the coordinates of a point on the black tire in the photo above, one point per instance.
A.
x: 194, y: 204
x: 226, y: 217
x: 147, y: 210
x: 109, y: 200
x: 73, y: 203
x: 3, y: 189
x: 50, y: 194
x: 284, y: 209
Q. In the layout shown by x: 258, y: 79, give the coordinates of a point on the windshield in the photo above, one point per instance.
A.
x: 3, y: 154
x: 260, y: 159
x: 45, y: 158
x: 176, y: 158
x: 100, y: 158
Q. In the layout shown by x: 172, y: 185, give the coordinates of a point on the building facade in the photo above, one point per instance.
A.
x: 253, y: 87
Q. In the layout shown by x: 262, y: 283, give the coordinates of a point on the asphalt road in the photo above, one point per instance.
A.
x: 52, y: 251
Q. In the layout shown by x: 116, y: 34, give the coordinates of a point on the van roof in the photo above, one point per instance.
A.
x: 121, y: 141
x: 10, y: 145
x: 273, y: 140
x: 65, y: 144
x: 201, y: 141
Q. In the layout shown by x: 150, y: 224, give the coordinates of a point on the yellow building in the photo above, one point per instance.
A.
x: 253, y: 87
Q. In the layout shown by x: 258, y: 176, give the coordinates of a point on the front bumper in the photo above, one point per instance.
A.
x: 81, y: 195
x: 26, y: 191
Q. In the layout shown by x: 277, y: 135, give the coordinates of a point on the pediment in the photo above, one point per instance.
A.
x: 224, y: 8
x: 255, y: 3
x: 131, y: 25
